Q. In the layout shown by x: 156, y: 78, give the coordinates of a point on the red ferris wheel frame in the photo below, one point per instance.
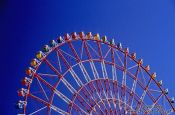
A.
x: 122, y: 87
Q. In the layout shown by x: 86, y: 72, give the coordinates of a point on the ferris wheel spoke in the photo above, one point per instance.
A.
x: 68, y: 54
x: 59, y: 63
x: 38, y: 110
x: 48, y: 75
x: 53, y: 68
x: 81, y: 52
x: 107, y: 52
x: 143, y: 78
x: 132, y: 67
x: 87, y: 44
x: 53, y: 89
x: 42, y: 89
x: 119, y: 58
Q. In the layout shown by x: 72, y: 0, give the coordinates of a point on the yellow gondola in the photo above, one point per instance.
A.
x: 33, y: 62
x: 39, y: 55
x: 96, y: 37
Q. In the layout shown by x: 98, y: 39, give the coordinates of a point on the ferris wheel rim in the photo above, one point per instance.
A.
x: 112, y: 46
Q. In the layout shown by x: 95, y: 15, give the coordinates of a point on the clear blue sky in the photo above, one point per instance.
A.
x: 145, y: 26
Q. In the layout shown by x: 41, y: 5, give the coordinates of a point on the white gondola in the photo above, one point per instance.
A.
x: 172, y: 100
x: 20, y: 104
x: 166, y: 91
x: 147, y: 68
x: 127, y: 50
x: 53, y: 43
x: 60, y: 39
x: 119, y: 45
x: 112, y: 42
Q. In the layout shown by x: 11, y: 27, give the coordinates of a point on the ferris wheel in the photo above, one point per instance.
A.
x: 85, y: 74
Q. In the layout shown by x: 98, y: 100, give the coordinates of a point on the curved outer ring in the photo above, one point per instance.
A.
x: 113, y: 46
